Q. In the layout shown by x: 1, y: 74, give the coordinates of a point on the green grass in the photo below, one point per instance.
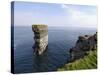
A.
x: 39, y: 25
x: 40, y: 28
x: 88, y: 62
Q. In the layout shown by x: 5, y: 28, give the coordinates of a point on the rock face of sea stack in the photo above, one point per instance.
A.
x: 41, y: 38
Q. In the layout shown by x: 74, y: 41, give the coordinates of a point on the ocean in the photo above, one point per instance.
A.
x: 60, y: 40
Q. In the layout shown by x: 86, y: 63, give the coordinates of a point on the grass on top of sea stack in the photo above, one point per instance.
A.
x: 88, y: 62
x: 40, y: 28
x: 40, y: 25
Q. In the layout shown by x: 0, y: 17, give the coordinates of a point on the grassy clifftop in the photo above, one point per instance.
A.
x: 87, y: 62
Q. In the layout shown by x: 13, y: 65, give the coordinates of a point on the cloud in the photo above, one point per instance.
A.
x: 77, y: 17
x: 69, y: 15
x: 63, y: 6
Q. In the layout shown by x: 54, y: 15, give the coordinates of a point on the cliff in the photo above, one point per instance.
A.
x: 83, y: 45
x: 87, y: 62
x: 83, y: 55
x: 40, y: 37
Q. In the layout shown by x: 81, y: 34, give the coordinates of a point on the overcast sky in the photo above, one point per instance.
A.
x: 27, y: 13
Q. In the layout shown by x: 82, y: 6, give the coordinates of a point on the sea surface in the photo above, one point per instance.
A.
x: 60, y: 40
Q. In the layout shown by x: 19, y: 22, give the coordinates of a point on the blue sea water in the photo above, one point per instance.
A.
x: 60, y: 40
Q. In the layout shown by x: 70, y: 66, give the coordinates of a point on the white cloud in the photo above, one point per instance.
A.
x: 71, y: 17
x: 63, y: 6
x: 80, y: 18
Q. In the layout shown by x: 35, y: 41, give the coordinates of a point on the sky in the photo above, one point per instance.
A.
x: 28, y: 13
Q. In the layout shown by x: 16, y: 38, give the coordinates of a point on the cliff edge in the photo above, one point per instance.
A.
x: 83, y: 45
x: 83, y: 55
x: 87, y: 62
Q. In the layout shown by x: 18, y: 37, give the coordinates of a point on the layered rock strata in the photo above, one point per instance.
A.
x: 41, y: 38
x: 83, y: 45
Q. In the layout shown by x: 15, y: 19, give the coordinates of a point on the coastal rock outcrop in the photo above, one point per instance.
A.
x: 40, y: 37
x: 83, y: 45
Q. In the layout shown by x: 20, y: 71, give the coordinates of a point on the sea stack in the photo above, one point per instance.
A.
x: 40, y: 37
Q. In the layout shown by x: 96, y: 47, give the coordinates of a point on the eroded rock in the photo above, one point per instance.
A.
x: 41, y: 38
x: 83, y: 45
